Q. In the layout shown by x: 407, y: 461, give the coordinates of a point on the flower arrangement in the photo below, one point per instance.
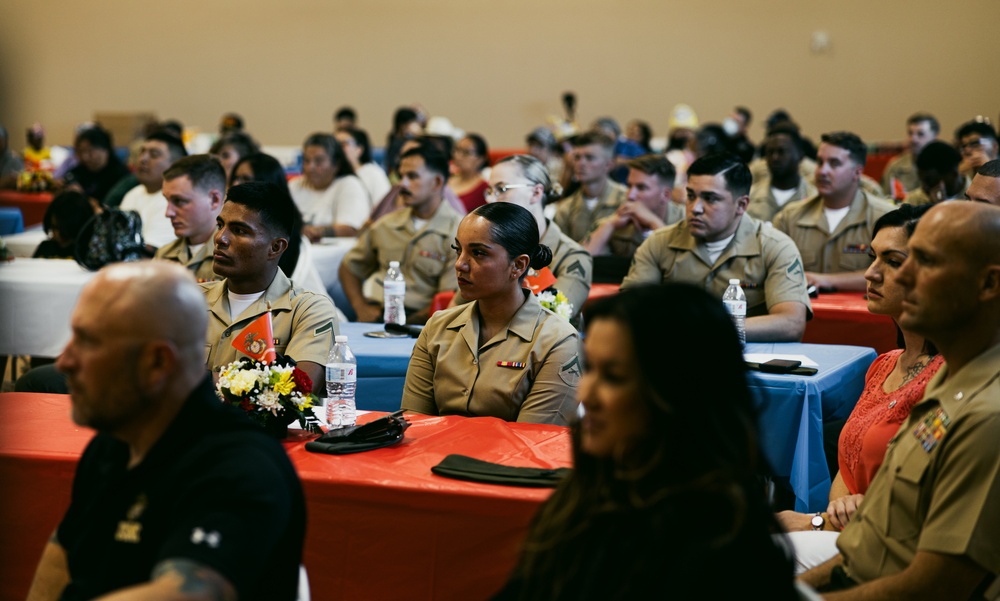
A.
x: 557, y: 303
x: 272, y: 394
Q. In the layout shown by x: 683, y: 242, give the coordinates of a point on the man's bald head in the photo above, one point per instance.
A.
x: 951, y: 278
x: 137, y: 349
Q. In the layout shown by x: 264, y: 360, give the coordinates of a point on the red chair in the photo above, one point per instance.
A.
x: 441, y: 300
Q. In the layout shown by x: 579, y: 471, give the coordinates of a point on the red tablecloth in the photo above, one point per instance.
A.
x: 843, y: 318
x: 33, y: 206
x: 381, y: 525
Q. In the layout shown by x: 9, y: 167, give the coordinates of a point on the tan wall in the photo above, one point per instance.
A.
x: 497, y: 68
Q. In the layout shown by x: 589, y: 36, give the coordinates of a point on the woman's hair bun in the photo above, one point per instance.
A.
x: 542, y: 257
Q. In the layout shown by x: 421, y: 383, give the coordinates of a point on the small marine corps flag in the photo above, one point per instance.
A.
x: 257, y: 339
x: 541, y: 280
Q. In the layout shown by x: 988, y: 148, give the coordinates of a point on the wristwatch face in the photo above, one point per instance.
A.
x: 817, y: 522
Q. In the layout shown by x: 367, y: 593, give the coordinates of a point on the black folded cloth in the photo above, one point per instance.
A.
x: 411, y: 331
x: 376, y: 434
x: 462, y: 467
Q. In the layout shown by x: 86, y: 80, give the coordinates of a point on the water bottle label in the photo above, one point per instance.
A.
x: 341, y: 372
x: 736, y: 307
x: 395, y: 288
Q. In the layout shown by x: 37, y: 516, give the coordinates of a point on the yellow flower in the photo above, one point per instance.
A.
x: 242, y: 382
x: 284, y: 383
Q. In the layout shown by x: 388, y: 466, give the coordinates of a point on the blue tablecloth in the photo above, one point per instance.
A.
x: 792, y: 410
x: 11, y: 221
x: 381, y: 366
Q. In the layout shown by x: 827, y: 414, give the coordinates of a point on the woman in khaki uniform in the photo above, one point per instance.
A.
x: 502, y: 355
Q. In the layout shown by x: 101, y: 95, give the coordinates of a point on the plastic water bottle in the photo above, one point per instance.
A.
x: 736, y: 303
x: 341, y: 383
x: 395, y: 294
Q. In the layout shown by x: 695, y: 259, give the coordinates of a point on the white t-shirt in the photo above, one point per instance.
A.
x: 781, y: 197
x: 344, y: 202
x: 375, y: 181
x: 152, y: 208
x: 715, y: 249
x: 835, y: 216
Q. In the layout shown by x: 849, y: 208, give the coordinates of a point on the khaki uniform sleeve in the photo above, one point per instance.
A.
x: 552, y: 399
x: 418, y: 390
x: 786, y: 279
x: 645, y: 267
x: 362, y: 260
x: 574, y: 278
x: 313, y: 324
x: 564, y: 216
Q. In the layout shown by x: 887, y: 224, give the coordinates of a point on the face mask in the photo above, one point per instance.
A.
x: 730, y: 126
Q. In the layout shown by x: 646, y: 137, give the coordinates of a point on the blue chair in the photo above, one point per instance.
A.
x: 11, y: 221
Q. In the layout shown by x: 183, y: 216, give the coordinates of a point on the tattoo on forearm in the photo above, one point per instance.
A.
x: 194, y: 578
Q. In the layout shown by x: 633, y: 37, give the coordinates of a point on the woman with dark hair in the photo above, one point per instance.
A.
x: 664, y: 500
x: 63, y: 220
x: 502, y: 355
x: 895, y: 382
x: 99, y: 168
x: 232, y: 147
x: 332, y: 199
x: 358, y: 151
x: 469, y: 157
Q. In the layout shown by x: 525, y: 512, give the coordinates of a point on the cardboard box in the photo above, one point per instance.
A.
x: 125, y: 126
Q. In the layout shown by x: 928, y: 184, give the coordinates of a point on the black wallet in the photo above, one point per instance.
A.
x: 462, y: 467
x: 382, y: 432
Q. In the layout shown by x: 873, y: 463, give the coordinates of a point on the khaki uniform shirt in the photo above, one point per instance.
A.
x: 919, y: 197
x: 842, y: 250
x: 571, y: 264
x: 450, y: 374
x: 576, y: 221
x: 938, y: 487
x: 425, y: 256
x: 200, y: 264
x: 764, y: 260
x: 762, y: 204
x: 904, y: 170
x: 625, y: 240
x: 303, y: 323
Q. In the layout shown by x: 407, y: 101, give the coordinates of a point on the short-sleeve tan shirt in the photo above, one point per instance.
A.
x: 764, y: 260
x: 200, y: 264
x: 938, y: 487
x: 843, y: 250
x: 425, y: 256
x: 304, y: 323
x: 576, y: 221
x: 762, y: 204
x: 527, y: 372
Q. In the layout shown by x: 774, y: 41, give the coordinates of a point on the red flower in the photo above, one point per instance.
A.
x: 303, y: 382
x: 246, y: 405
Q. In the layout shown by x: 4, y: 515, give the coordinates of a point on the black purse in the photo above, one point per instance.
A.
x: 383, y: 432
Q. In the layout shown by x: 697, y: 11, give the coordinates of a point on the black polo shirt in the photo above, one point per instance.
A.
x: 214, y: 489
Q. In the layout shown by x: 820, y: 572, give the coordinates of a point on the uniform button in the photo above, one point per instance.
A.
x: 465, y: 391
x: 475, y: 361
x: 959, y: 395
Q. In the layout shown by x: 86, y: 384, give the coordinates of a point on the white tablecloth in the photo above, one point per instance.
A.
x: 37, y: 297
x: 25, y: 243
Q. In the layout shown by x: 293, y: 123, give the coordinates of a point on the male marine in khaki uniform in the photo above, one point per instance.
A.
x: 784, y: 182
x: 194, y: 187
x: 718, y: 242
x: 937, y: 168
x: 648, y: 207
x: 419, y: 236
x: 901, y: 172
x: 253, y: 230
x: 599, y: 196
x: 985, y: 186
x: 833, y: 229
x: 928, y: 527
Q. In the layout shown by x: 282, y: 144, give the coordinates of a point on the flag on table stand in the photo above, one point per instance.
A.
x: 257, y: 339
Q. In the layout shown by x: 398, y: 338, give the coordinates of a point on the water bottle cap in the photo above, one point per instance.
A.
x: 393, y: 263
x: 340, y: 338
x: 734, y: 282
